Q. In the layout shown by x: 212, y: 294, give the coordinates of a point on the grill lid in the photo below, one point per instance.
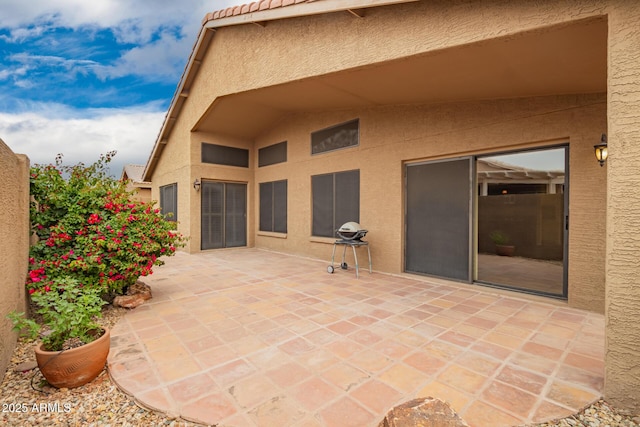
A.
x: 351, y: 231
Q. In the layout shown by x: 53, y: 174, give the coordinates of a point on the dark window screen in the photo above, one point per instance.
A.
x: 266, y: 206
x: 272, y: 154
x: 169, y: 201
x: 273, y: 206
x: 235, y: 215
x: 280, y: 206
x: 223, y: 155
x: 336, y: 200
x: 336, y: 137
x: 224, y: 213
x: 438, y: 212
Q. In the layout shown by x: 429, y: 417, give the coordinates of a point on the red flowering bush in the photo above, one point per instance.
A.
x: 90, y: 229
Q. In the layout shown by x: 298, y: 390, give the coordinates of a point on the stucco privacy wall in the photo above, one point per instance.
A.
x: 392, y: 136
x: 622, y: 359
x: 14, y: 244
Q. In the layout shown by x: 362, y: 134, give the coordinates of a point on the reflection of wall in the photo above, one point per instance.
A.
x: 533, y: 222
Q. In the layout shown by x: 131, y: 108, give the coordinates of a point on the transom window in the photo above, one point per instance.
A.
x: 336, y: 137
x: 223, y: 155
x: 273, y: 154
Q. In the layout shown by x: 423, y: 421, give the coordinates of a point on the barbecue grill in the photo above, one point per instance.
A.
x: 351, y: 234
x: 351, y: 231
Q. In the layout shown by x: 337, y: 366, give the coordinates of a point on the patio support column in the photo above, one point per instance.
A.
x: 622, y: 303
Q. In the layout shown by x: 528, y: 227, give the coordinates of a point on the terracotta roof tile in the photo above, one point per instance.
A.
x: 251, y: 7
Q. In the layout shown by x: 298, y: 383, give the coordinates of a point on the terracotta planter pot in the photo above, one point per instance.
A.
x: 505, y: 250
x: 74, y: 367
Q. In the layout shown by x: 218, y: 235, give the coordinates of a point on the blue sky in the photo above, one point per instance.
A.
x: 82, y: 77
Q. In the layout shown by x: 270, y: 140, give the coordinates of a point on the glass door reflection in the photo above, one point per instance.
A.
x: 522, y: 209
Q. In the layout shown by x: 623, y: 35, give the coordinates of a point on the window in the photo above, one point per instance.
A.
x: 223, y: 155
x: 336, y: 137
x: 169, y: 201
x: 336, y: 200
x: 273, y: 206
x: 276, y: 153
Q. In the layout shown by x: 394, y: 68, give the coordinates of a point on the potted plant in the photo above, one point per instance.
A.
x: 501, y: 240
x: 74, y: 346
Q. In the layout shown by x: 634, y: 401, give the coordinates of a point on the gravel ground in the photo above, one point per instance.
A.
x: 27, y: 400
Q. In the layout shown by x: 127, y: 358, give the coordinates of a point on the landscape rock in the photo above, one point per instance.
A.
x: 135, y: 296
x: 140, y: 288
x: 26, y: 366
x: 423, y: 412
x: 128, y: 301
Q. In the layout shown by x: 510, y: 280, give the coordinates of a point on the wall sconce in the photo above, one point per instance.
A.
x: 196, y: 184
x: 601, y: 150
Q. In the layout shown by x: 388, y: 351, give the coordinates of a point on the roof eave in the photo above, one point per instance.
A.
x: 211, y: 22
x: 293, y: 11
x: 179, y: 96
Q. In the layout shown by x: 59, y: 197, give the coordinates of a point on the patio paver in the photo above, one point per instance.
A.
x: 247, y: 337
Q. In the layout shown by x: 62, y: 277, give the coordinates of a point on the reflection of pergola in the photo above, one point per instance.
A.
x: 495, y: 172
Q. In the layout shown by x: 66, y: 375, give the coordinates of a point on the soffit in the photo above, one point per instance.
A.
x: 567, y: 59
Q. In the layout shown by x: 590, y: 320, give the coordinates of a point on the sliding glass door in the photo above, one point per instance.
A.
x: 499, y: 220
x: 522, y: 220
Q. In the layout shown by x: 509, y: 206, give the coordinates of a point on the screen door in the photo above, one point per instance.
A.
x: 438, y: 218
x: 224, y: 215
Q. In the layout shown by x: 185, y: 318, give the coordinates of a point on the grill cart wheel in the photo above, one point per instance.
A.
x: 344, y: 266
x: 330, y: 269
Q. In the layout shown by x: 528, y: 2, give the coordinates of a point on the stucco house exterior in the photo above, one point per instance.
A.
x: 133, y: 175
x: 293, y: 117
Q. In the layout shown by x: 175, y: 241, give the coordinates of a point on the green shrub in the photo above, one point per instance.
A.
x: 68, y: 311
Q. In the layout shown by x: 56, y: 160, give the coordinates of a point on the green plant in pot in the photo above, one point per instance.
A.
x: 501, y: 241
x: 74, y: 346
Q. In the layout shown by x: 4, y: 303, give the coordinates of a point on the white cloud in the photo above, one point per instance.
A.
x: 163, y: 59
x: 82, y: 136
x: 163, y: 30
x: 133, y: 21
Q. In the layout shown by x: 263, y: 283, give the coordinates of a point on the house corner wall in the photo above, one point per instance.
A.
x: 14, y: 245
x: 622, y: 330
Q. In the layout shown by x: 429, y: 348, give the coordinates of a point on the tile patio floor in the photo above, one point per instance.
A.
x: 246, y: 337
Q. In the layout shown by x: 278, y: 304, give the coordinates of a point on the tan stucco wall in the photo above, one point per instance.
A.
x: 391, y: 136
x: 173, y: 167
x: 242, y: 57
x: 14, y: 244
x: 141, y: 194
x: 622, y: 359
